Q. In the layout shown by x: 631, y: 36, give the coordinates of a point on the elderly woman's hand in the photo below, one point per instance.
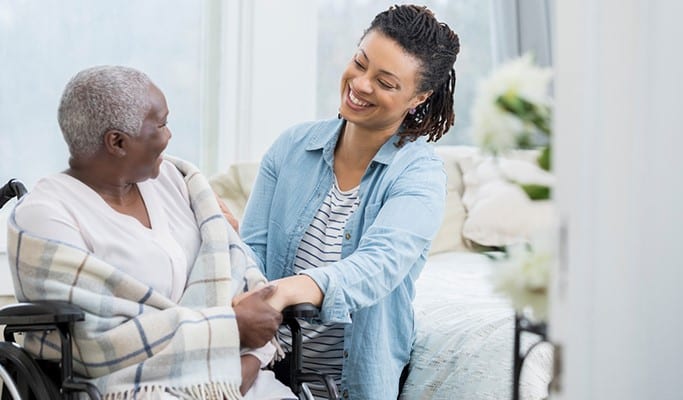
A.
x: 257, y: 321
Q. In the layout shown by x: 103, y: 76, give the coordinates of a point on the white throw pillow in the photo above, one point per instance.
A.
x: 449, y: 237
x: 499, y: 213
x: 234, y: 186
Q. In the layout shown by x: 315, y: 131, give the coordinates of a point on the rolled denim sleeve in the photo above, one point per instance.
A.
x: 394, y: 245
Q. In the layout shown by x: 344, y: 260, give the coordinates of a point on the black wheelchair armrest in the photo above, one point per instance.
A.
x: 302, y: 310
x: 39, y: 316
x: 40, y: 313
x: 47, y: 316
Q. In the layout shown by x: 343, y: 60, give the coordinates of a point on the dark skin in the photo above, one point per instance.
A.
x: 102, y: 173
x: 256, y: 322
x: 113, y: 172
x: 250, y: 368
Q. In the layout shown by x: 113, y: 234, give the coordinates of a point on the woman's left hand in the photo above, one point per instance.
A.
x: 291, y: 290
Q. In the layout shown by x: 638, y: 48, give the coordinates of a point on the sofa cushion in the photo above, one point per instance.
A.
x: 499, y: 213
x: 449, y: 237
x: 234, y: 185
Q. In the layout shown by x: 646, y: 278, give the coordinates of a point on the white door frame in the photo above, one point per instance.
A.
x: 617, y: 310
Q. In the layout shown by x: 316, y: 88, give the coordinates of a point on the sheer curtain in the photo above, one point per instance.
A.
x: 43, y: 44
x: 521, y: 26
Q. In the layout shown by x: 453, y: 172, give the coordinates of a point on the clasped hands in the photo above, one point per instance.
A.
x: 257, y: 319
x: 259, y: 311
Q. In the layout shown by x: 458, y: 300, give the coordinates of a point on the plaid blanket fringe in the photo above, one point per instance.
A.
x: 210, y: 391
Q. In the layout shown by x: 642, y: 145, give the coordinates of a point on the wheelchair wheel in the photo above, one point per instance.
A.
x: 306, y: 393
x: 8, y: 385
x: 22, y: 377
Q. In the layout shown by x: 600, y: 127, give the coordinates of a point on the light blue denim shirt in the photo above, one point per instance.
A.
x: 384, y: 248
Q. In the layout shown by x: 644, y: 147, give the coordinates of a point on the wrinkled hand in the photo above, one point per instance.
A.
x: 228, y: 214
x: 257, y: 321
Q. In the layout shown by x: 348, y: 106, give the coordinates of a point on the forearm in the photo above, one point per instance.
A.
x: 294, y: 290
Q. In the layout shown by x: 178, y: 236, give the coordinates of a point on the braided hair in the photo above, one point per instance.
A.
x: 436, y: 47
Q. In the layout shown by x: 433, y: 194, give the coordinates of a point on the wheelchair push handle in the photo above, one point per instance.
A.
x: 13, y: 188
x: 301, y: 310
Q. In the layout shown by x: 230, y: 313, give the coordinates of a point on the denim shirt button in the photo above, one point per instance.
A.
x: 346, y: 354
x: 347, y: 236
x: 345, y: 394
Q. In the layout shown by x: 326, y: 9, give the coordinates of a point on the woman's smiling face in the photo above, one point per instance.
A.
x: 378, y: 86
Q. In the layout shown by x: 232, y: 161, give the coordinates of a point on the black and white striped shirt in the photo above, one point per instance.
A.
x: 323, y: 345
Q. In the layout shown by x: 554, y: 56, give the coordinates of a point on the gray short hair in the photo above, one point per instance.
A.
x: 100, y: 99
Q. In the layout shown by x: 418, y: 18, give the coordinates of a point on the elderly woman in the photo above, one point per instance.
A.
x: 139, y: 242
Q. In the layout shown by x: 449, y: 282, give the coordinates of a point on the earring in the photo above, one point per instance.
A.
x: 338, y: 115
x: 412, y: 111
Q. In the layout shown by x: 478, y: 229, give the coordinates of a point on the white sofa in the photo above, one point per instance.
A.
x: 465, y: 330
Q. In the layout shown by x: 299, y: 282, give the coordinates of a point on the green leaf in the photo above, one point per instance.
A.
x: 524, y: 141
x: 537, y: 115
x: 537, y: 192
x: 544, y: 158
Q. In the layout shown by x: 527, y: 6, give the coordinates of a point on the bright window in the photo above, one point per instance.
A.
x: 44, y: 43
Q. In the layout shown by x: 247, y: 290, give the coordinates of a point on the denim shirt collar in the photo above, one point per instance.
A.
x: 326, y: 139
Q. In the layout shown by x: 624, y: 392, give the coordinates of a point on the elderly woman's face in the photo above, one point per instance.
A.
x: 379, y: 84
x: 145, y: 156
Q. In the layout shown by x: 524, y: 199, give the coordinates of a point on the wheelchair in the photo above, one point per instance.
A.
x: 24, y: 377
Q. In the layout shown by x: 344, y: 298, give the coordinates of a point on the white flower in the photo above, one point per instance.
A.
x: 512, y: 110
x: 495, y: 129
x: 524, y: 276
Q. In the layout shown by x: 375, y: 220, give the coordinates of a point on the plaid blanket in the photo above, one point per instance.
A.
x: 136, y: 343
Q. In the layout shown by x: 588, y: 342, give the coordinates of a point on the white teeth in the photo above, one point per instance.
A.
x: 356, y: 101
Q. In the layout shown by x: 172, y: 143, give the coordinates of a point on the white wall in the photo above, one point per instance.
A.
x: 618, y: 310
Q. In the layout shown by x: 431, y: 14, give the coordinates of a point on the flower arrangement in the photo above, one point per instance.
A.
x: 523, y: 275
x: 512, y: 111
